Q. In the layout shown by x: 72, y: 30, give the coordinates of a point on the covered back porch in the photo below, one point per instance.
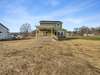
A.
x: 49, y: 31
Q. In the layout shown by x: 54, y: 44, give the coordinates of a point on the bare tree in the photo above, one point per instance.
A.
x: 93, y: 30
x: 25, y: 28
x: 84, y: 30
x: 76, y: 31
x: 98, y: 29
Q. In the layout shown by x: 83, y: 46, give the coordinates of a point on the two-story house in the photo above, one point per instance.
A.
x: 50, y: 28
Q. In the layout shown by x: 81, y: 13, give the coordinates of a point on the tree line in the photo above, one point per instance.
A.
x: 26, y: 28
x: 86, y: 30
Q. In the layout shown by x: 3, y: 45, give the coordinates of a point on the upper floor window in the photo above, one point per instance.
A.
x: 57, y: 25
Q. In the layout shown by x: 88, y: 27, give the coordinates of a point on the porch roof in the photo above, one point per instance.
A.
x: 46, y: 27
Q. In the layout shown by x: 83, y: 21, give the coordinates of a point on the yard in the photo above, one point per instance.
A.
x: 46, y: 57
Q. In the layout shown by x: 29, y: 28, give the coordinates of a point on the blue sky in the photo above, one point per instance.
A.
x: 73, y: 13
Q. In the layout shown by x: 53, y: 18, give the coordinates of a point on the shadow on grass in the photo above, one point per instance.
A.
x: 68, y: 38
x: 80, y: 37
x: 14, y: 39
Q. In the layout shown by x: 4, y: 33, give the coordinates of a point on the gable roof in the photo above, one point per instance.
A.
x: 4, y: 26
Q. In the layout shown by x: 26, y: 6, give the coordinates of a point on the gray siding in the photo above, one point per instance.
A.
x: 55, y: 25
x: 3, y: 36
x: 3, y: 29
x: 4, y: 32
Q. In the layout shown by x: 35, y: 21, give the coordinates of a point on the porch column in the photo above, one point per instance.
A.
x: 36, y: 34
x: 51, y: 32
x: 39, y: 34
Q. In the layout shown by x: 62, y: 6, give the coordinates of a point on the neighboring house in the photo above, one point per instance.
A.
x: 50, y: 28
x: 92, y: 34
x: 69, y: 33
x: 4, y: 31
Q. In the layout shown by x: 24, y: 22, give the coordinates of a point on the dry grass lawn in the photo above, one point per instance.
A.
x: 32, y: 57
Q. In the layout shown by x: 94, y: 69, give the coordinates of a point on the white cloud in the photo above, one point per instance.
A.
x: 72, y: 21
x: 53, y: 2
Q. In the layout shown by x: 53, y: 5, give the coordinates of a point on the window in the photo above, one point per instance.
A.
x: 62, y: 33
x: 58, y: 25
x: 58, y: 33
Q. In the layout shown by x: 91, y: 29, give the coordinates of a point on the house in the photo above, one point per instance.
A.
x: 50, y: 28
x: 4, y: 31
